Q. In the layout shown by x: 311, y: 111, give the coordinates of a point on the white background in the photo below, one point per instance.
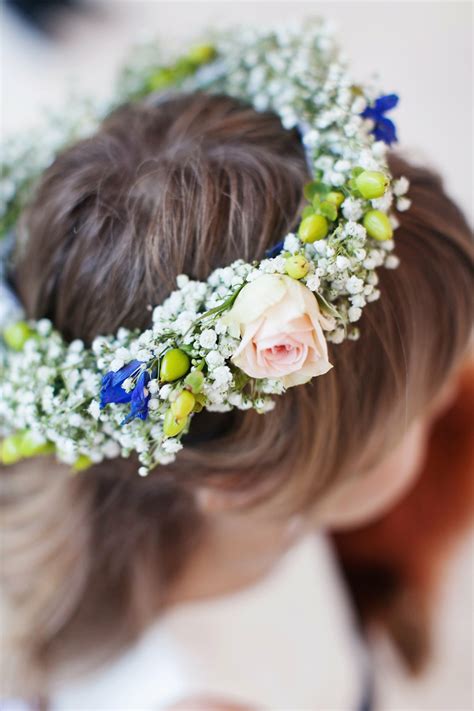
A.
x: 422, y: 51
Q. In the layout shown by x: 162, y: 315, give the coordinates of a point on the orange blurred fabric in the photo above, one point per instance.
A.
x: 393, y: 566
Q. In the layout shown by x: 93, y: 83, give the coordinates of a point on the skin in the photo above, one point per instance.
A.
x: 240, y: 547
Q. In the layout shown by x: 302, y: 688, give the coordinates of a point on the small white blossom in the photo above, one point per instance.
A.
x: 392, y: 262
x: 182, y: 280
x: 313, y: 282
x: 342, y: 262
x: 400, y: 186
x: 165, y: 391
x: 116, y: 364
x: 221, y: 375
x: 128, y: 384
x: 292, y: 243
x: 354, y: 313
x: 153, y: 386
x: 208, y: 338
x: 94, y: 409
x: 172, y: 446
x: 354, y: 285
x: 352, y: 208
x: 403, y: 204
x: 214, y: 359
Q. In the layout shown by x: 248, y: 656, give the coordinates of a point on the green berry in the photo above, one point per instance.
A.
x: 335, y: 197
x: 174, y: 365
x: 183, y: 405
x: 82, y: 462
x: 296, y: 266
x: 172, y: 426
x: 371, y: 184
x: 194, y: 381
x: 203, y: 53
x: 378, y: 225
x: 10, y: 449
x: 16, y: 335
x: 29, y: 446
x: 313, y: 228
x: 160, y: 79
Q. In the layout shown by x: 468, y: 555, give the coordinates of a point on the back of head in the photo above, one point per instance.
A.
x: 186, y: 185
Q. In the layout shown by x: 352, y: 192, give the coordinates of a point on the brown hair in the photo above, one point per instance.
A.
x: 185, y: 186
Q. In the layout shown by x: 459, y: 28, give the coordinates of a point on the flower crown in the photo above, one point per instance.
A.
x: 251, y: 330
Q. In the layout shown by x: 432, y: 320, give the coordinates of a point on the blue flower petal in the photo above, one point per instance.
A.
x: 370, y: 113
x: 385, y: 131
x: 385, y: 103
x: 275, y: 251
x: 124, y: 372
x: 111, y: 390
x: 139, y: 399
x: 113, y: 394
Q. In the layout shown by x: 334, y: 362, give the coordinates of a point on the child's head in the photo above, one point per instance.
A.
x: 187, y: 185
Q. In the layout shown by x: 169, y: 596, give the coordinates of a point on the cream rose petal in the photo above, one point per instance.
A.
x: 255, y: 299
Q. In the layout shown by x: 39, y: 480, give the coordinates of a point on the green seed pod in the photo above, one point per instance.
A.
x: 183, y: 405
x: 313, y: 228
x: 371, y: 184
x: 194, y: 381
x: 172, y: 426
x: 175, y: 363
x: 296, y: 266
x: 10, y: 449
x: 16, y: 335
x: 378, y: 225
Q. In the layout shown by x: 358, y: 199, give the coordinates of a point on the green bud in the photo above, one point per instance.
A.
x: 172, y: 426
x: 174, y: 364
x: 296, y: 266
x: 16, y: 335
x: 194, y: 381
x: 313, y: 228
x: 10, y: 449
x: 183, y: 405
x: 371, y: 184
x: 378, y: 225
x: 335, y: 197
x: 81, y: 463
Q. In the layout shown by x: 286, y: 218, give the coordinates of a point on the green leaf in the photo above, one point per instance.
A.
x: 328, y: 209
x: 326, y: 307
x: 357, y: 171
x: 316, y: 187
x: 307, y: 212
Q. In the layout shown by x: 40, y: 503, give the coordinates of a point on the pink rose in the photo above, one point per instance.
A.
x: 279, y: 322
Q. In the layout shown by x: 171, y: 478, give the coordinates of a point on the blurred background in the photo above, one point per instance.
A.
x: 422, y: 50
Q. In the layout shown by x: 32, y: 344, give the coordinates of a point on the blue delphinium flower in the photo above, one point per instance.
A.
x: 276, y: 250
x: 140, y: 399
x: 113, y: 392
x: 384, y: 129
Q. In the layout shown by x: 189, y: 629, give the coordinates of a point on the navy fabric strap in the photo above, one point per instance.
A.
x: 10, y: 307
